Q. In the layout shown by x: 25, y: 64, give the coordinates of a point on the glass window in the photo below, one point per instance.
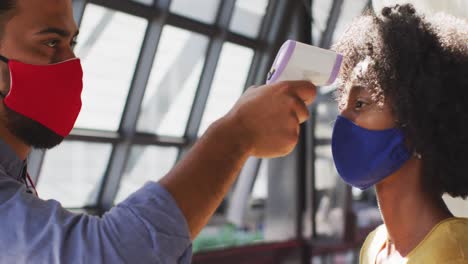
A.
x: 146, y: 163
x: 228, y: 83
x: 458, y: 206
x: 203, y: 10
x: 260, y: 188
x: 330, y: 190
x: 72, y: 173
x: 330, y: 193
x: 173, y: 82
x: 326, y: 116
x: 320, y: 11
x: 349, y: 10
x: 248, y: 16
x: 108, y: 45
x: 242, y: 226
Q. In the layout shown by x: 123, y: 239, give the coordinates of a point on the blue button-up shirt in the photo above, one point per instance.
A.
x: 147, y: 227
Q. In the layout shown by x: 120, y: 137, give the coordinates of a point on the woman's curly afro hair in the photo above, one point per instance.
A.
x: 420, y: 66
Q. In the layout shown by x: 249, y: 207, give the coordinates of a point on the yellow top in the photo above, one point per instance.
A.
x: 446, y: 243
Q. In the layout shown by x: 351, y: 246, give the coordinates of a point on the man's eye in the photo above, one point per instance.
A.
x: 52, y: 43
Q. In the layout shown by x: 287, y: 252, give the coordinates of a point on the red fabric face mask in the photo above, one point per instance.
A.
x: 48, y: 94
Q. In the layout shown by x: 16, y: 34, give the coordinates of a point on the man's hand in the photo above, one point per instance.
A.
x: 264, y: 123
x: 267, y: 118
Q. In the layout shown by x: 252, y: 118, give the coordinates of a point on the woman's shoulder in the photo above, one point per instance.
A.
x: 452, y: 231
x: 446, y: 243
x: 372, y: 245
x: 456, y: 223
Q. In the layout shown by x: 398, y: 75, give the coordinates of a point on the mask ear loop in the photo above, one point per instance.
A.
x: 415, y: 154
x: 4, y: 59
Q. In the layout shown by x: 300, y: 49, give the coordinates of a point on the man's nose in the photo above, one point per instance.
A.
x: 65, y: 54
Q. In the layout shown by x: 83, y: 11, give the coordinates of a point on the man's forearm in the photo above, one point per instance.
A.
x: 200, y: 181
x: 263, y: 123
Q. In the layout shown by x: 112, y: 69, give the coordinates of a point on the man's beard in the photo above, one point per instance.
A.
x: 31, y: 132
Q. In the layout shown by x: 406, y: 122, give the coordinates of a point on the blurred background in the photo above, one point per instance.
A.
x: 159, y: 72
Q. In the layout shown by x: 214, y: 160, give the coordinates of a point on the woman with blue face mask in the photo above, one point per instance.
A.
x: 403, y: 128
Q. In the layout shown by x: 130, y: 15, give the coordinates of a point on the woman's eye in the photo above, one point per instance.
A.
x: 359, y: 104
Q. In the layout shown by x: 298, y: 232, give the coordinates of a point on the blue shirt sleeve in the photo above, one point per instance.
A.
x: 148, y: 227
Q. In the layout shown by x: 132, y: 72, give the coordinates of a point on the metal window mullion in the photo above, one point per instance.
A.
x: 327, y: 36
x: 282, y: 8
x: 203, y: 91
x: 254, y: 72
x: 260, y: 67
x: 310, y: 155
x: 128, y: 7
x: 242, y: 190
x: 89, y: 139
x: 121, y: 151
x: 115, y: 168
x: 212, y: 30
x: 256, y: 76
x: 159, y: 140
x: 213, y: 53
x: 139, y: 138
x: 79, y: 7
x: 272, y: 33
x: 93, y: 135
x: 280, y: 191
x: 304, y: 35
x: 268, y: 19
x: 142, y: 74
x: 245, y: 41
x: 192, y: 25
x: 265, y: 53
x: 257, y: 73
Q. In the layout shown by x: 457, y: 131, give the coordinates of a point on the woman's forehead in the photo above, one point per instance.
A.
x: 358, y: 79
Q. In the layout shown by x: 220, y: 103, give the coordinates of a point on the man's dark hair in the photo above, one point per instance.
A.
x: 6, y: 6
x: 419, y: 65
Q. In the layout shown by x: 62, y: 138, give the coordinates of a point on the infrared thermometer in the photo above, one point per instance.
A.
x: 299, y: 61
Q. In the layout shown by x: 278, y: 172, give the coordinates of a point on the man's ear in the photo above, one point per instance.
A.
x: 4, y: 79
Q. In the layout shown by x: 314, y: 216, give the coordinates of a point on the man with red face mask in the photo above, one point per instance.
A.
x: 40, y: 86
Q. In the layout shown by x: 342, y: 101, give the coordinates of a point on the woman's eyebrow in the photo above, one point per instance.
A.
x: 360, y: 89
x: 357, y: 87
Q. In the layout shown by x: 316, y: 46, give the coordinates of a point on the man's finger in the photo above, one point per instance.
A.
x: 301, y: 110
x: 311, y: 100
x: 305, y: 90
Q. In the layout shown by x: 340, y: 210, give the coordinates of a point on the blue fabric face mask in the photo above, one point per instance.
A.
x: 365, y: 157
